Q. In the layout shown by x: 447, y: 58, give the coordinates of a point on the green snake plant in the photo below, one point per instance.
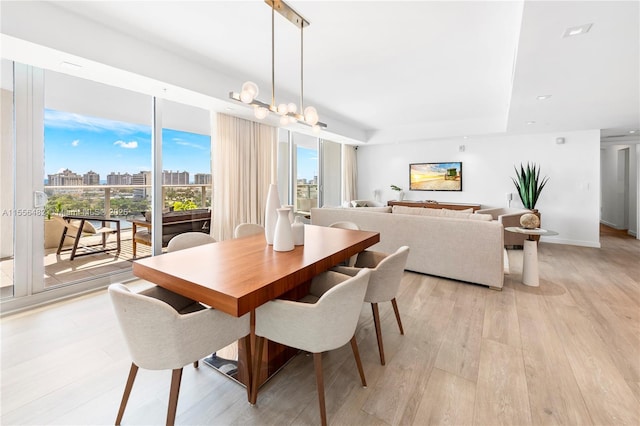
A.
x: 529, y: 184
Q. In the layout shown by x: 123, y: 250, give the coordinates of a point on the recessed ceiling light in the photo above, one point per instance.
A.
x: 543, y: 97
x: 465, y: 137
x: 574, y: 31
x: 633, y: 131
x: 531, y: 122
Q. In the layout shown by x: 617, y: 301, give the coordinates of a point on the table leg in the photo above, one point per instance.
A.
x: 133, y: 239
x: 530, y: 264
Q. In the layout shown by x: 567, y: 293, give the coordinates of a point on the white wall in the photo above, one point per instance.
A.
x: 619, y: 210
x: 569, y: 203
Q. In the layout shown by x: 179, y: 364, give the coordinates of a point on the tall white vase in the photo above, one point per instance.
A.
x: 271, y: 213
x: 283, y: 238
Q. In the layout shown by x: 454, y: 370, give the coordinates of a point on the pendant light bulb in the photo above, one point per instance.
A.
x: 261, y: 112
x: 284, y: 120
x: 282, y: 109
x: 310, y: 115
x: 315, y: 128
x: 291, y: 107
x: 249, y: 92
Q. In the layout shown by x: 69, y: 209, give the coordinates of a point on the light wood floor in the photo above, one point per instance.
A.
x: 566, y: 353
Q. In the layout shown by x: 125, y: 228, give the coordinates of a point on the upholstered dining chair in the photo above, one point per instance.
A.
x: 246, y: 229
x: 347, y: 225
x: 326, y: 319
x: 386, y: 274
x: 160, y: 338
x: 188, y: 240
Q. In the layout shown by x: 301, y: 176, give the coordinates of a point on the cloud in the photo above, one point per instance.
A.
x: 75, y: 142
x: 127, y: 145
x: 70, y: 121
x: 189, y: 144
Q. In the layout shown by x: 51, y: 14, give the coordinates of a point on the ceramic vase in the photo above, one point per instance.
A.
x: 271, y: 213
x: 290, y: 207
x: 297, y: 229
x: 283, y: 238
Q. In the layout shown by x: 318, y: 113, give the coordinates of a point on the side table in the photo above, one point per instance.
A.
x: 530, y: 274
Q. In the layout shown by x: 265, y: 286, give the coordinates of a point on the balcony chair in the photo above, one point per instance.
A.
x: 386, y: 274
x: 246, y: 229
x: 326, y: 319
x: 161, y: 338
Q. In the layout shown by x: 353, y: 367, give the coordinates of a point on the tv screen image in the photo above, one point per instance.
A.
x: 435, y: 176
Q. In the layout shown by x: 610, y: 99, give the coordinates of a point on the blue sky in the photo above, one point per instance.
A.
x: 81, y: 143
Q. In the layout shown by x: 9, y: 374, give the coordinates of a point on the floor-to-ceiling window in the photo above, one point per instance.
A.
x: 85, y: 149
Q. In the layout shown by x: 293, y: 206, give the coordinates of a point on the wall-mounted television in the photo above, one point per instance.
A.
x: 435, y: 176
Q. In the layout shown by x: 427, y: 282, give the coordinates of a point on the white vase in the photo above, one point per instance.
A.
x: 283, y: 238
x: 271, y: 213
x: 290, y: 207
x: 400, y: 195
x: 297, y: 229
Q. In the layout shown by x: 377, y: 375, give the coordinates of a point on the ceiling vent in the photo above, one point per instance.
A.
x: 579, y: 30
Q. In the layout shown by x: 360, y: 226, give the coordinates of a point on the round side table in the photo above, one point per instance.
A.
x: 530, y: 274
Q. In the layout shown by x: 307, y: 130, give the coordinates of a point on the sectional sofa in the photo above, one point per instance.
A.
x: 452, y: 244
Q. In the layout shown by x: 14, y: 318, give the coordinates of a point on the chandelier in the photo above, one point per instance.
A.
x: 288, y: 112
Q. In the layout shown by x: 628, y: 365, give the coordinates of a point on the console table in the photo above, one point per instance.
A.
x: 434, y: 205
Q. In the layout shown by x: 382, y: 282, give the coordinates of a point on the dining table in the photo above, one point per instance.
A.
x: 238, y: 275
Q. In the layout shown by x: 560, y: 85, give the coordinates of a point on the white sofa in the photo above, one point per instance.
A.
x: 465, y: 249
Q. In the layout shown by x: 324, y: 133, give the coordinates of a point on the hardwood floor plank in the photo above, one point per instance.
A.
x: 607, y: 395
x: 554, y: 396
x: 501, y: 391
x: 501, y: 318
x: 460, y: 349
x: 447, y: 400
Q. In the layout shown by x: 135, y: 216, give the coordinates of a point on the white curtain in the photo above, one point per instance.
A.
x: 349, y: 173
x: 245, y: 164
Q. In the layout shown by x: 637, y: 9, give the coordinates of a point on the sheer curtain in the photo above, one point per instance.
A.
x: 245, y: 164
x: 349, y: 173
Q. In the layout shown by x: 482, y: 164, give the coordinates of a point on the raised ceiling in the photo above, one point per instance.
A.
x: 416, y: 70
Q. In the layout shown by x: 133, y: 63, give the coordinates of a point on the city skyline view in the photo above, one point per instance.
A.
x: 83, y: 143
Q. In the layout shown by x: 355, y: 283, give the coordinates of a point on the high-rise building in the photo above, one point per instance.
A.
x: 142, y: 178
x: 202, y: 179
x: 118, y: 179
x: 175, y: 178
x: 64, y: 178
x: 91, y: 178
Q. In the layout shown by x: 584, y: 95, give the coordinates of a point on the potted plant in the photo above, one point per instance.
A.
x: 529, y: 184
x: 400, y: 192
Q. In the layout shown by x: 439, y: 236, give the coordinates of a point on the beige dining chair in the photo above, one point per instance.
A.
x: 347, y: 225
x: 386, y: 274
x: 188, y: 240
x: 160, y: 338
x: 322, y: 321
x: 246, y: 229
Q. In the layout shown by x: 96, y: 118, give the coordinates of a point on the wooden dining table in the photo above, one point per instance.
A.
x: 238, y: 275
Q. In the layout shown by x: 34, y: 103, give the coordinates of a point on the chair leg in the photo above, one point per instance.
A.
x: 317, y: 362
x: 376, y: 323
x: 356, y: 355
x: 176, y: 377
x: 127, y: 391
x: 255, y: 377
x: 397, y: 312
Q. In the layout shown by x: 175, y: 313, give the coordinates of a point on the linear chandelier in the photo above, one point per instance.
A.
x: 288, y: 112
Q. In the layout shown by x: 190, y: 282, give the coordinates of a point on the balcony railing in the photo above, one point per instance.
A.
x: 106, y: 209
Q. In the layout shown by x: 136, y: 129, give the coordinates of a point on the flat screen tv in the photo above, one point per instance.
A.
x: 435, y: 176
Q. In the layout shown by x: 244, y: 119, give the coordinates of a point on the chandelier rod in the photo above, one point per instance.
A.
x: 273, y: 57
